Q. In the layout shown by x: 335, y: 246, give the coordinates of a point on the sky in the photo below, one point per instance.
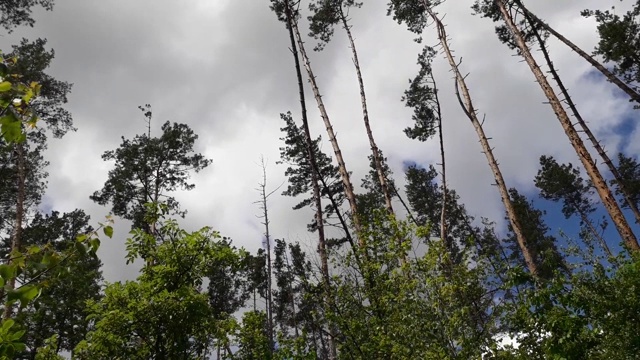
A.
x: 224, y: 68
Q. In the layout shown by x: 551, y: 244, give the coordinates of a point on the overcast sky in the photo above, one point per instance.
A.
x: 224, y: 68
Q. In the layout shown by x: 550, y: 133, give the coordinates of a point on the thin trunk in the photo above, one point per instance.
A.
x: 365, y: 114
x: 265, y: 212
x: 470, y: 111
x: 292, y: 296
x: 315, y: 175
x: 443, y: 211
x: 595, y: 233
x: 16, y: 240
x: 254, y: 300
x: 635, y: 96
x: 596, y: 177
x: 348, y: 187
x: 586, y: 129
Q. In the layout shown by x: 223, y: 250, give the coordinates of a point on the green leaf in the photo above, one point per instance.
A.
x: 17, y: 335
x: 11, y: 128
x: 3, y: 69
x: 81, y: 248
x: 27, y: 96
x: 94, y: 244
x: 33, y: 249
x: 7, y: 324
x: 46, y: 259
x: 5, y: 86
x: 25, y: 294
x: 7, y: 271
x: 108, y: 230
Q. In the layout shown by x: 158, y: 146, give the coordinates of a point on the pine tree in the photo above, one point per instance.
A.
x: 285, y: 11
x: 629, y: 169
x: 299, y: 171
x: 563, y: 182
x: 25, y: 162
x: 147, y: 170
x: 619, y: 43
x: 415, y: 14
x: 543, y: 246
x: 596, y: 177
x: 422, y: 96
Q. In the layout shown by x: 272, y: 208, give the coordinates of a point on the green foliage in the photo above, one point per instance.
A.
x: 10, y: 343
x: 60, y: 309
x: 421, y: 97
x: 425, y: 196
x: 326, y: 14
x: 15, y: 98
x: 37, y: 267
x: 427, y: 308
x: 528, y: 29
x: 50, y: 350
x: 253, y: 338
x: 587, y: 315
x: 48, y: 97
x: 163, y: 314
x: 541, y: 245
x: 562, y: 182
x: 373, y: 198
x: 629, y: 170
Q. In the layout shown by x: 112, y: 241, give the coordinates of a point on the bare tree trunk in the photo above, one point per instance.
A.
x: 16, y: 240
x: 365, y: 114
x: 470, y: 111
x: 265, y: 215
x: 596, y: 177
x: 586, y: 129
x: 635, y: 96
x: 348, y: 187
x: 443, y: 211
x: 315, y: 175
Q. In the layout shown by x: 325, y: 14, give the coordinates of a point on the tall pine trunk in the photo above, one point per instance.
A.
x: 470, y: 111
x: 635, y: 96
x: 315, y: 175
x: 365, y: 115
x: 344, y: 174
x: 585, y: 127
x: 596, y: 177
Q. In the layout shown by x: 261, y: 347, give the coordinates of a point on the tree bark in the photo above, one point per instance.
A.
x: 596, y: 177
x: 635, y: 96
x: 365, y: 115
x: 315, y: 175
x: 470, y: 111
x: 346, y: 181
x: 263, y: 200
x: 585, y: 127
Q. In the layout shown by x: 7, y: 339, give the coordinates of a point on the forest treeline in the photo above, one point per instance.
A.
x: 397, y: 273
